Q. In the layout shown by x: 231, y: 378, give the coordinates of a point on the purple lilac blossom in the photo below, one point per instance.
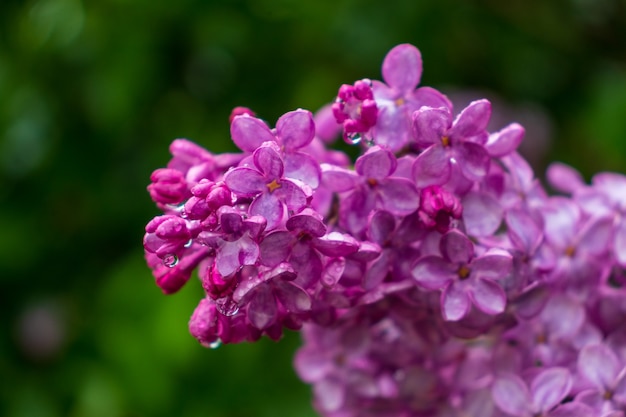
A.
x: 432, y: 277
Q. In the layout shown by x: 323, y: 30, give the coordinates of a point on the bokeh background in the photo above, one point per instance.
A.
x: 92, y: 93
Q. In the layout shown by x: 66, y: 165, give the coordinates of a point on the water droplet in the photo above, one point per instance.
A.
x: 353, y: 138
x: 227, y: 306
x: 183, y: 213
x: 216, y: 344
x: 170, y: 260
x: 188, y: 244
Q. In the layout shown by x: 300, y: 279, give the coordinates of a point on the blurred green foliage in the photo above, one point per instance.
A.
x: 91, y: 94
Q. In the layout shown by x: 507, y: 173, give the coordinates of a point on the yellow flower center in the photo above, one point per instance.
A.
x: 463, y: 272
x: 445, y: 141
x: 273, y: 186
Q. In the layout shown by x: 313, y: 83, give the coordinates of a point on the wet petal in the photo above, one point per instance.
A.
x: 303, y: 167
x: 398, y: 196
x: 505, y: 140
x: 472, y: 120
x: 268, y: 160
x: 339, y: 179
x: 599, y: 364
x: 455, y: 303
x: 249, y: 133
x: 308, y: 222
x: 295, y: 129
x: 549, y: 387
x: 381, y: 226
x: 430, y: 125
x: 523, y: 231
x: 377, y: 272
x: 292, y: 297
x: 377, y: 163
x: 262, y: 311
x: 402, y: 68
x: 482, y: 214
x: 433, y: 272
x: 596, y: 235
x: 456, y: 247
x: 473, y: 160
x: 488, y: 296
x: 511, y: 395
x: 619, y: 243
x: 432, y: 167
x: 494, y: 264
x: 276, y: 247
x: 270, y: 207
x: 245, y: 182
x: 336, y: 244
x: 291, y: 194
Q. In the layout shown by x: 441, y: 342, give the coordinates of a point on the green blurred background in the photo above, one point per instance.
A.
x: 92, y: 93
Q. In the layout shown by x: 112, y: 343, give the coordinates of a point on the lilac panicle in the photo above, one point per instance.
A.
x: 432, y: 277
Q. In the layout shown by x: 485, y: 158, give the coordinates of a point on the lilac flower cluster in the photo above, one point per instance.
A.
x: 434, y: 276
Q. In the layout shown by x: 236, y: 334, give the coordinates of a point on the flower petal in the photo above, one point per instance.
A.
x: 430, y: 125
x: 511, y: 395
x: 292, y: 297
x: 505, y: 140
x: 432, y: 167
x: 249, y: 133
x: 402, y: 68
x: 472, y: 120
x: 377, y: 163
x: 398, y: 196
x: 270, y: 207
x: 262, y: 311
x: 302, y: 167
x: 599, y: 364
x: 473, y: 160
x: 456, y: 247
x: 455, y: 303
x: 482, y: 214
x: 295, y: 129
x: 276, y: 247
x: 433, y: 272
x: 245, y: 182
x: 268, y: 160
x: 488, y: 296
x: 549, y: 388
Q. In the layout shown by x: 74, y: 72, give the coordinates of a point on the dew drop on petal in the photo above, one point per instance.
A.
x: 227, y: 306
x: 353, y: 138
x: 170, y: 260
x: 189, y: 243
x: 216, y: 344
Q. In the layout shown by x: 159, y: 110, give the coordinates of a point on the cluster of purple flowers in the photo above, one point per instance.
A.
x: 434, y: 276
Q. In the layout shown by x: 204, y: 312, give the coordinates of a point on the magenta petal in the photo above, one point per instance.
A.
x: 596, y: 235
x: 249, y: 133
x: 268, y: 160
x: 482, y: 214
x: 338, y: 179
x: 270, y: 207
x: 377, y: 163
x: 336, y: 244
x: 473, y: 160
x: 245, y: 182
x: 302, y: 167
x: 292, y: 297
x: 549, y: 387
x: 432, y: 167
x: 312, y: 364
x: 291, y: 194
x: 564, y: 178
x: 398, y: 196
x: 393, y: 127
x: 262, y: 311
x: 455, y: 303
x: 599, y: 365
x: 511, y: 395
x: 376, y: 272
x: 619, y: 243
x: 275, y: 248
x: 308, y: 222
x: 472, y: 120
x: 295, y: 129
x: 488, y: 296
x: 494, y: 264
x: 430, y: 125
x: 433, y: 272
x: 381, y: 226
x: 574, y: 409
x: 505, y: 141
x: 523, y: 231
x: 402, y: 67
x: 456, y: 247
x: 232, y: 255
